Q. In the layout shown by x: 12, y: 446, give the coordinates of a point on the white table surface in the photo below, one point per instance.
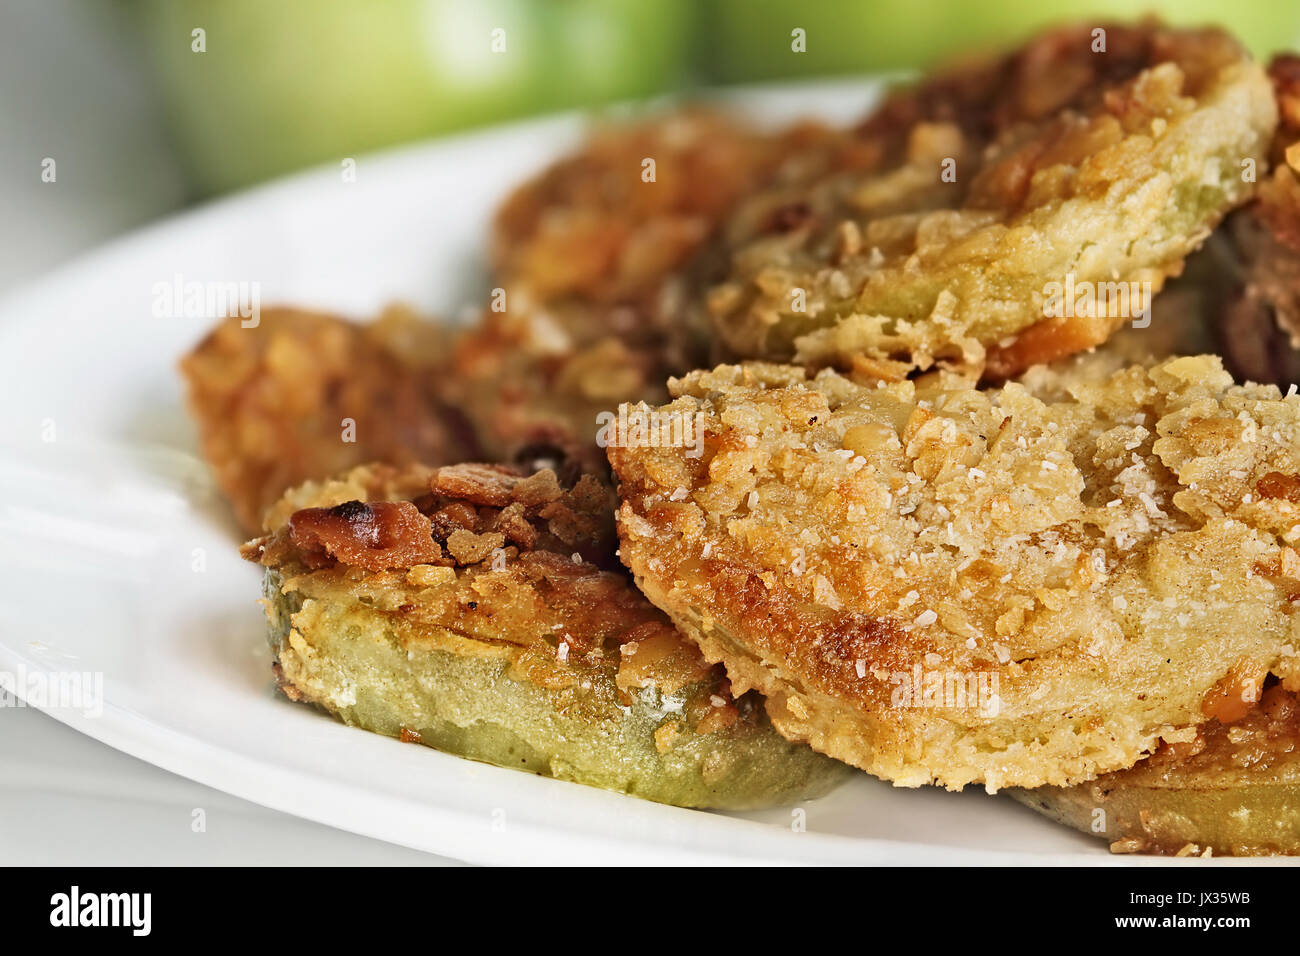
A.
x: 72, y: 88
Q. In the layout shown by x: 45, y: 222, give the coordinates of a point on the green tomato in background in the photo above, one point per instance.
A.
x: 754, y: 37
x: 282, y: 84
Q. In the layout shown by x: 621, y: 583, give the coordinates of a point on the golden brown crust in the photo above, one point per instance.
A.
x: 1095, y: 565
x: 1064, y: 161
x: 303, y: 395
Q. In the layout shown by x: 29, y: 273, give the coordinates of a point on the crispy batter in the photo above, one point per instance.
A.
x: 1232, y: 790
x: 1095, y: 565
x: 1260, y: 330
x: 484, y: 613
x: 594, y: 262
x: 272, y: 402
x: 1067, y: 162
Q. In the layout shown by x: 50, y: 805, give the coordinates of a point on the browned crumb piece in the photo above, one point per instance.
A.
x: 942, y: 584
x: 303, y: 395
x: 438, y: 523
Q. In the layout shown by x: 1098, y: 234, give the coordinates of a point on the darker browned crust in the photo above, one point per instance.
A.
x: 469, y: 514
x: 1259, y: 331
x: 1057, y: 71
x: 592, y: 227
x: 302, y: 395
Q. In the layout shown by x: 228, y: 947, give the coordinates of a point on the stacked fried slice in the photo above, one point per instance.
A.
x: 1233, y: 789
x: 1103, y: 565
x: 1062, y: 161
x: 481, y: 611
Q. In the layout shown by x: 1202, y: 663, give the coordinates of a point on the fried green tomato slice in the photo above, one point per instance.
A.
x: 1232, y: 790
x: 938, y: 583
x: 1057, y: 164
x: 481, y: 611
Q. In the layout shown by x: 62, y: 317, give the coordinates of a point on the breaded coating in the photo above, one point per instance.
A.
x: 304, y: 395
x: 594, y: 258
x: 1055, y: 164
x: 482, y: 611
x: 1260, y: 329
x: 951, y: 585
x: 1232, y: 790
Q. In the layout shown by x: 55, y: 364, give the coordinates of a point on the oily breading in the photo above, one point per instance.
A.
x: 1233, y: 790
x: 481, y: 611
x: 303, y: 395
x: 1060, y: 162
x: 593, y: 260
x: 941, y: 584
x: 1260, y: 325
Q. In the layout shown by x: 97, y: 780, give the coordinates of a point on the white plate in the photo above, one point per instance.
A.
x: 118, y: 557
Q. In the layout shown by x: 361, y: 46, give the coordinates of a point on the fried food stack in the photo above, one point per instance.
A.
x: 968, y: 502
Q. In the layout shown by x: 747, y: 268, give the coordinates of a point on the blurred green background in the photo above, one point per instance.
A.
x: 283, y: 84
